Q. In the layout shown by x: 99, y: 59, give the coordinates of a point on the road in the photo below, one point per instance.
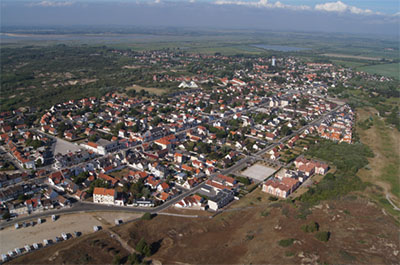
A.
x: 12, y: 159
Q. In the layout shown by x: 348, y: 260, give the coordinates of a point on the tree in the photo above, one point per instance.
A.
x: 141, y: 245
x: 134, y: 259
x: 285, y: 130
x: 93, y: 138
x: 6, y: 216
x: 39, y: 163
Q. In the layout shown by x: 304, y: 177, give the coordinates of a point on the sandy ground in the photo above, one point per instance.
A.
x: 258, y: 172
x: 10, y: 238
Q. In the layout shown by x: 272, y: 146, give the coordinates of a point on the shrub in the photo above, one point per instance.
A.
x: 323, y: 236
x: 310, y: 228
x: 134, y: 259
x: 143, y: 248
x: 117, y: 260
x: 140, y: 245
x: 264, y: 213
x: 289, y: 254
x: 147, y: 216
x: 243, y: 180
x: 286, y: 242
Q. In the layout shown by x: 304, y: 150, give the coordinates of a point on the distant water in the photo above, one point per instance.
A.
x: 279, y: 48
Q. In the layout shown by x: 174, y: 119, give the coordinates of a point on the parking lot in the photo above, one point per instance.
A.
x: 258, y: 172
x: 11, y: 238
x: 63, y: 147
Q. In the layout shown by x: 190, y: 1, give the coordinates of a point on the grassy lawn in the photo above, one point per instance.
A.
x: 120, y: 173
x: 390, y: 70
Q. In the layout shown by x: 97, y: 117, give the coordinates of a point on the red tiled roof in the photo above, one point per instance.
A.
x: 103, y: 191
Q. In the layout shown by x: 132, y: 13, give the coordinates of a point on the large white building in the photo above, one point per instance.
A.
x: 104, y: 196
x: 223, y: 198
x: 102, y: 146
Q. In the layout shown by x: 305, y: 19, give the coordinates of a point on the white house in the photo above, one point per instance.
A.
x: 104, y: 196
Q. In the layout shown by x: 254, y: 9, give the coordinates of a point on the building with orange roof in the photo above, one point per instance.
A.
x: 104, y: 196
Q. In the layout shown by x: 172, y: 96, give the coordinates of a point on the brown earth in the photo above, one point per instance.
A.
x: 360, y: 233
x: 96, y: 248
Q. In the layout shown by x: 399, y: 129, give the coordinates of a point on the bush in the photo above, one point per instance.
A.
x: 272, y: 199
x: 310, y: 228
x: 243, y: 180
x: 117, y: 260
x: 6, y: 216
x: 143, y: 248
x: 323, y: 236
x: 265, y: 213
x: 134, y: 259
x: 289, y: 254
x: 147, y: 216
x: 286, y: 242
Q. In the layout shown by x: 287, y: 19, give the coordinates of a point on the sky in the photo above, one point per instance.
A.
x: 350, y: 16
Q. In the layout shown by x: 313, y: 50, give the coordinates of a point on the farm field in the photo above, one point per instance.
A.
x: 390, y: 70
x: 351, y: 56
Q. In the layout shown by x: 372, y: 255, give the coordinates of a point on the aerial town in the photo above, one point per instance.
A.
x: 202, y: 147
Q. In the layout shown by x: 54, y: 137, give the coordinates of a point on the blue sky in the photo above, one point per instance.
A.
x: 363, y: 16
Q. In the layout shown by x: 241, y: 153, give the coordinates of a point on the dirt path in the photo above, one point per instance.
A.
x: 394, y: 206
x: 123, y: 243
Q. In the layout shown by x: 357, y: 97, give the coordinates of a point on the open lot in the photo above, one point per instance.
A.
x: 258, y: 172
x: 63, y: 147
x: 11, y: 238
x: 152, y: 90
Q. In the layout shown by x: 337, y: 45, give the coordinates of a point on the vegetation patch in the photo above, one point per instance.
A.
x: 323, y: 236
x: 348, y: 158
x: 286, y: 242
x: 310, y: 228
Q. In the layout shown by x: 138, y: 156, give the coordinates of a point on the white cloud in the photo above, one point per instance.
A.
x: 157, y: 1
x: 341, y: 7
x: 52, y: 3
x: 262, y: 4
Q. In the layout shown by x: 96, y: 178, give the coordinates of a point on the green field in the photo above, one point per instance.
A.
x: 350, y: 64
x: 390, y: 70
